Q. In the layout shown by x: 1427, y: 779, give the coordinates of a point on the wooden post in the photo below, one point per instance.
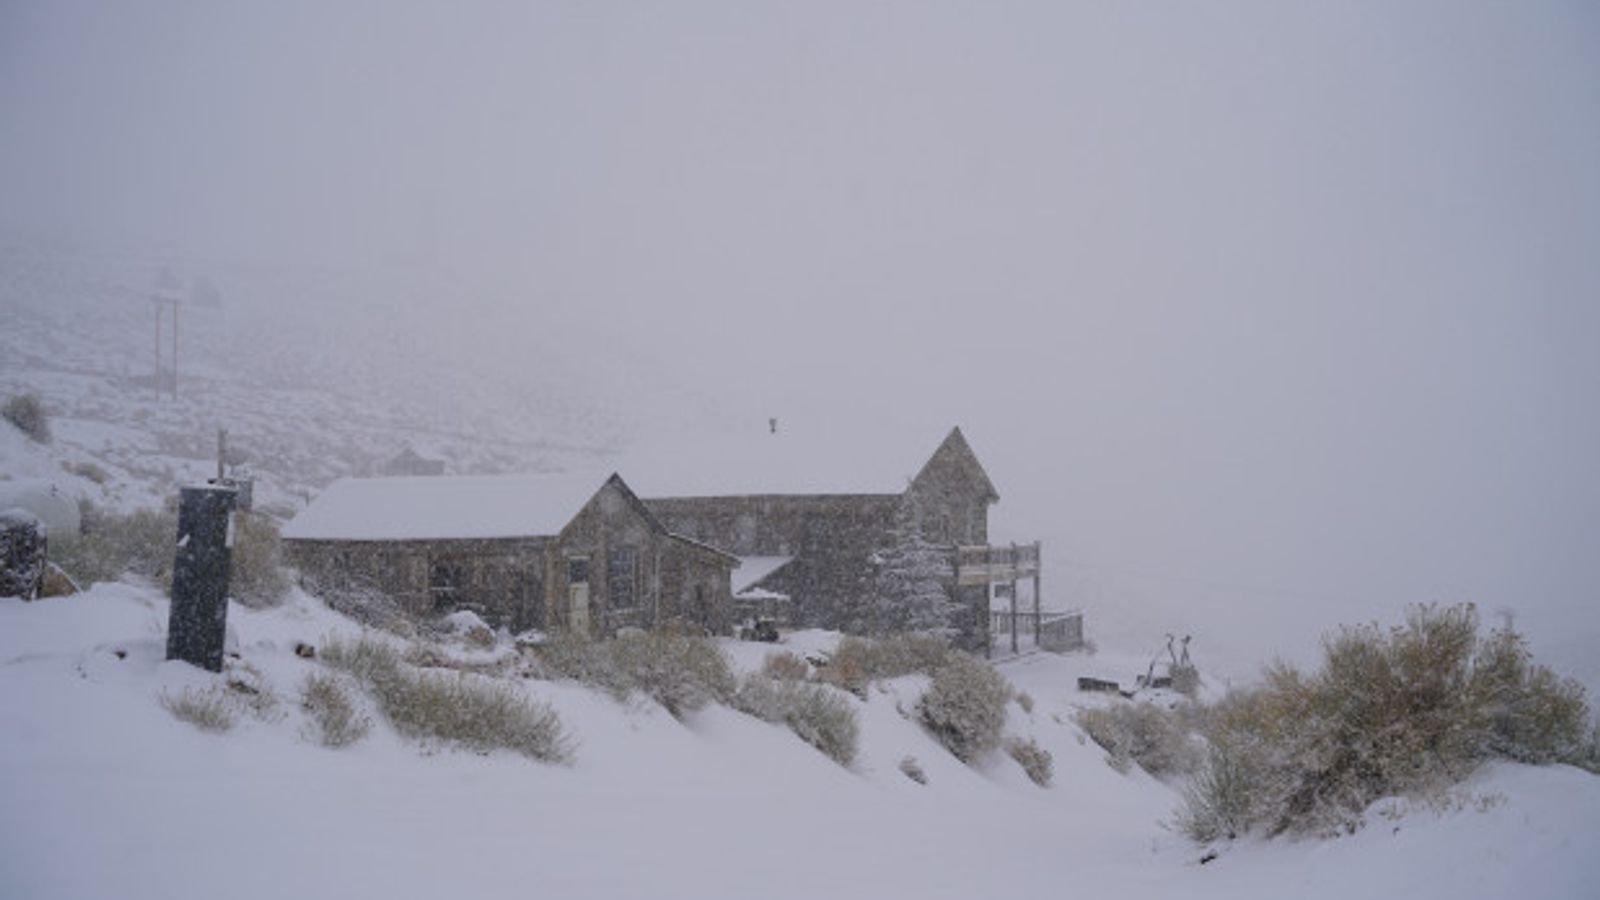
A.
x: 1038, y: 568
x: 174, y: 349
x: 155, y: 382
x: 1014, y: 599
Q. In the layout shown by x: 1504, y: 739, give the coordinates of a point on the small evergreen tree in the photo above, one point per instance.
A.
x: 911, y: 583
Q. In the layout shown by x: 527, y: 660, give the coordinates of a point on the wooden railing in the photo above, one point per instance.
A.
x: 996, y: 563
x: 1058, y: 632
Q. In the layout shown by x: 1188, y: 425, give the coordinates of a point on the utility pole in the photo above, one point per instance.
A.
x: 155, y: 380
x: 174, y: 349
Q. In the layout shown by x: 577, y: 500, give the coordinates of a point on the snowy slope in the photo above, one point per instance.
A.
x: 103, y: 793
x: 332, y: 384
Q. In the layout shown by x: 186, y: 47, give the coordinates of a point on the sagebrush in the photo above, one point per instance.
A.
x: 470, y: 711
x: 332, y: 719
x: 1405, y: 711
x: 818, y: 714
x: 207, y: 709
x: 27, y: 413
x: 1143, y: 733
x: 965, y: 707
x: 681, y: 672
x: 1034, y: 759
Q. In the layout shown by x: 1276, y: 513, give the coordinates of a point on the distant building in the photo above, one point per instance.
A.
x: 806, y: 525
x: 812, y: 515
x: 408, y: 462
x: 555, y: 552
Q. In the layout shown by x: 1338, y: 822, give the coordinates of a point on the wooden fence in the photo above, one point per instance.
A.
x: 1058, y: 632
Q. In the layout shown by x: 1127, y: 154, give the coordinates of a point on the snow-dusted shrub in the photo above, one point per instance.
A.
x: 1532, y: 715
x: 1142, y: 733
x: 1034, y: 759
x: 785, y: 666
x: 332, y: 719
x: 256, y: 577
x: 208, y: 709
x: 1217, y: 800
x: 578, y: 659
x: 903, y: 654
x: 250, y: 691
x: 1186, y: 680
x: 818, y: 714
x: 368, y: 659
x: 143, y: 543
x: 681, y: 672
x: 823, y: 719
x: 27, y: 413
x: 1025, y: 700
x: 1407, y: 711
x: 965, y: 707
x: 912, y: 769
x: 858, y: 661
x: 850, y: 666
x: 474, y: 712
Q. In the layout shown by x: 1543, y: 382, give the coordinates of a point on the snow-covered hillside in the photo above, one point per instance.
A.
x: 332, y: 384
x: 104, y: 793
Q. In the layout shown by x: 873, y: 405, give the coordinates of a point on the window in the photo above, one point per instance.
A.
x: 622, y: 577
x: 578, y: 570
x: 445, y: 580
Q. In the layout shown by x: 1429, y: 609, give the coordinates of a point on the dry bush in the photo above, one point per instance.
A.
x: 913, y: 770
x: 1143, y: 733
x: 785, y: 666
x: 1218, y: 800
x: 819, y: 715
x: 858, y: 661
x: 476, y: 713
x: 256, y: 576
x: 681, y: 672
x: 143, y: 543
x: 332, y: 718
x: 206, y: 709
x: 1034, y: 759
x: 1407, y: 711
x: 1186, y: 680
x: 89, y: 470
x: 904, y: 654
x: 27, y: 413
x: 965, y: 707
x: 850, y: 666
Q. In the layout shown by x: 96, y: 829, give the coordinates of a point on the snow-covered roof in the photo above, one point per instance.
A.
x: 754, y: 568
x: 795, y: 460
x: 441, y: 507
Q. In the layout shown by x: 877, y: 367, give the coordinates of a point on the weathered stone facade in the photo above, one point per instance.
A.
x: 612, y: 566
x: 832, y: 537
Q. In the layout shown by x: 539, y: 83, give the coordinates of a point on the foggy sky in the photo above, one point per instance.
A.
x: 1284, y: 314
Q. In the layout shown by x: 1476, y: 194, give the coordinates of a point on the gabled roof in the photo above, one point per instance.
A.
x: 957, y: 452
x: 444, y: 507
x: 795, y: 460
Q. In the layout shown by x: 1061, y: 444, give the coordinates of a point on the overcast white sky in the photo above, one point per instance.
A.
x: 1299, y: 297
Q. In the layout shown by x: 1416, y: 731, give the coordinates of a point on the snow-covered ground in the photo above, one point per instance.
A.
x: 105, y: 793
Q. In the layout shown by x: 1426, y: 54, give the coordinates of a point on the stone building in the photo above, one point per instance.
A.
x: 552, y: 552
x: 812, y: 516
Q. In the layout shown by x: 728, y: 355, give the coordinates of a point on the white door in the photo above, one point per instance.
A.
x: 578, y: 596
x: 578, y: 609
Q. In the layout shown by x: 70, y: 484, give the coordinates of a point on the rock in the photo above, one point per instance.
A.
x: 22, y: 553
x: 56, y: 582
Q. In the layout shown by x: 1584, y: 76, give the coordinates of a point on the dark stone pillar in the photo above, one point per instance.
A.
x: 199, y: 616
